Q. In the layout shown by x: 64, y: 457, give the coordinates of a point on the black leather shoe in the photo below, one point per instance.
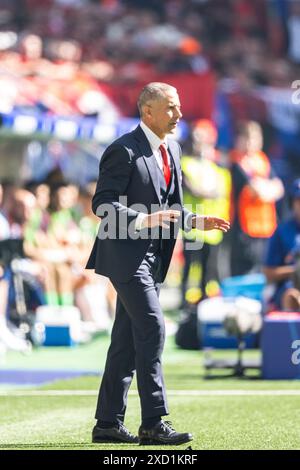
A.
x: 163, y: 433
x: 117, y: 433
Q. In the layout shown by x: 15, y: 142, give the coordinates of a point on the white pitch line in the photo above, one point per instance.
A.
x: 185, y: 393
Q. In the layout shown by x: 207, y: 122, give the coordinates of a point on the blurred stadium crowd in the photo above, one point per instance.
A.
x: 93, y: 44
x: 233, y: 61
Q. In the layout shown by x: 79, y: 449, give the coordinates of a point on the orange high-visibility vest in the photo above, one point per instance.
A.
x: 257, y: 218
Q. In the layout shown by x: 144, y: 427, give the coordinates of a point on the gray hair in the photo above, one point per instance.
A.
x: 153, y: 91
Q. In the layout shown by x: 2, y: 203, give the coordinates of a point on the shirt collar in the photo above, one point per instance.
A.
x: 153, y: 139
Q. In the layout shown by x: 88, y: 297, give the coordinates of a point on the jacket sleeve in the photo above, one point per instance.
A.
x: 109, y: 201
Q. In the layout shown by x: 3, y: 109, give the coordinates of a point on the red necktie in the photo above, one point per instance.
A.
x: 166, y: 166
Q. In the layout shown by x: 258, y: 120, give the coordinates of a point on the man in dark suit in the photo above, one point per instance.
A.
x: 139, y: 199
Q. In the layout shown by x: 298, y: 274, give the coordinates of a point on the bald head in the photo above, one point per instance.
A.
x: 24, y: 202
x: 24, y: 196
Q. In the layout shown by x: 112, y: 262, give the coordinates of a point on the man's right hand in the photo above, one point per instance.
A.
x: 161, y: 218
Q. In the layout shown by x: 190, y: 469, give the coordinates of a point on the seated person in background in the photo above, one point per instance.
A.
x: 19, y: 216
x: 281, y: 258
x: 40, y: 217
x: 18, y: 211
x: 55, y: 246
x: 94, y: 295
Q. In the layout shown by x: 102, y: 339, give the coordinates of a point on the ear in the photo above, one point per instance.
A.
x: 147, y: 110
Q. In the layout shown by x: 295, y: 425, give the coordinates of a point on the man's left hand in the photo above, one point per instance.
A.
x: 208, y: 222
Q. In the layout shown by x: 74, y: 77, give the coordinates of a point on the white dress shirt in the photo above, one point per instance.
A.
x: 155, y: 143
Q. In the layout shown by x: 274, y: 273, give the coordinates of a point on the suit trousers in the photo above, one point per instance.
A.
x: 137, y: 342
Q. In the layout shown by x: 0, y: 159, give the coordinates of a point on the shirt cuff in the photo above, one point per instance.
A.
x: 139, y: 221
x: 188, y: 225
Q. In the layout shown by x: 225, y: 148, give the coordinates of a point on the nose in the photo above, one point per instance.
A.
x: 179, y: 113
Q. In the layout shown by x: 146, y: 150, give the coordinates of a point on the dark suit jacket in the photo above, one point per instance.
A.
x: 129, y: 169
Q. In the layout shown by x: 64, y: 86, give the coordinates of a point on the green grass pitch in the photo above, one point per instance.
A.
x: 61, y: 415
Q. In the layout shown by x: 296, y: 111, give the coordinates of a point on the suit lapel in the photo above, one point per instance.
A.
x: 149, y: 159
x: 151, y: 163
